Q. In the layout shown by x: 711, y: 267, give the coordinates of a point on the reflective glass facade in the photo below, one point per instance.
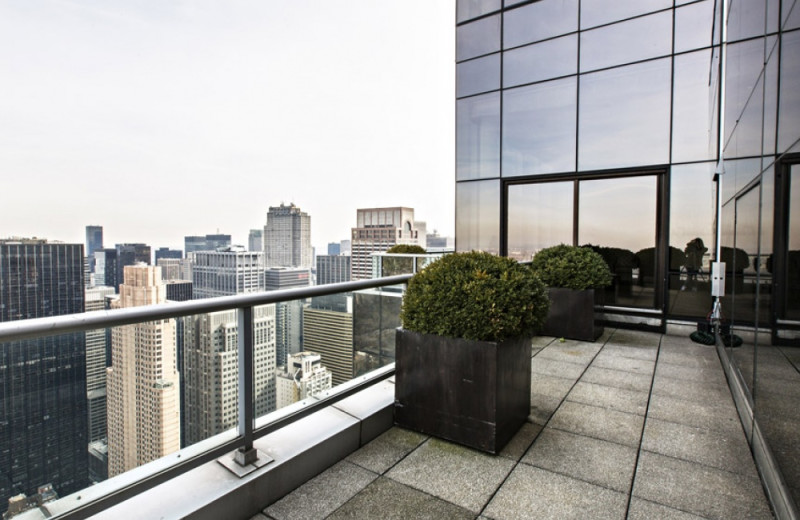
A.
x: 636, y: 127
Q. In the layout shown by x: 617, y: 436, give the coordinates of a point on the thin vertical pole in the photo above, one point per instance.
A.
x: 246, y: 454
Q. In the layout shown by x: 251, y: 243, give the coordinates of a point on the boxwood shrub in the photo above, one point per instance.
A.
x: 571, y: 267
x: 475, y: 296
x: 392, y: 265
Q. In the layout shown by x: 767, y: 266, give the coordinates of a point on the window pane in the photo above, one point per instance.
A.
x: 746, y: 18
x: 792, y: 271
x: 539, y: 21
x: 624, y: 116
x: 478, y: 216
x: 692, y: 201
x: 694, y: 115
x: 625, y: 42
x: 478, y: 137
x: 599, y: 12
x: 546, y: 60
x: 477, y: 38
x: 695, y: 26
x: 618, y: 216
x: 468, y: 9
x: 791, y: 18
x: 539, y: 128
x: 479, y: 75
x: 789, y: 111
x: 539, y: 216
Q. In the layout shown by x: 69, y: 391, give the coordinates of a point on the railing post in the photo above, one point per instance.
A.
x: 246, y: 454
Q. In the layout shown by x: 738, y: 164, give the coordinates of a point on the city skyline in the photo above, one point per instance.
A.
x: 161, y: 121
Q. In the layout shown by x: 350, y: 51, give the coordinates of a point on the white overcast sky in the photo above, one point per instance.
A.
x: 163, y: 118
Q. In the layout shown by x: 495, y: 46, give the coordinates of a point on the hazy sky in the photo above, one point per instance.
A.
x: 163, y: 118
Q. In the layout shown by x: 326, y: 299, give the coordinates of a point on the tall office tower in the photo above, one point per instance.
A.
x: 43, y: 426
x: 303, y: 376
x: 94, y: 242
x: 435, y: 243
x: 333, y: 269
x: 96, y: 347
x: 334, y: 248
x: 105, y: 268
x: 328, y: 331
x: 232, y: 270
x: 165, y: 252
x: 143, y: 382
x: 287, y: 237
x: 255, y: 240
x: 179, y: 290
x: 170, y: 268
x: 378, y: 229
x: 289, y: 315
x: 130, y: 254
x: 346, y: 247
x: 205, y: 243
x: 211, y: 370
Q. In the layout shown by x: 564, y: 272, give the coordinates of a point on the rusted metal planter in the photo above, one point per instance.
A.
x: 572, y: 314
x: 475, y: 393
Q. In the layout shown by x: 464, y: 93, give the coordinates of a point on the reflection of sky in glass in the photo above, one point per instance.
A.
x: 625, y: 42
x: 618, y: 212
x: 467, y: 9
x: 539, y: 216
x: 794, y: 210
x: 478, y: 37
x: 539, y: 21
x: 479, y: 75
x: 692, y: 206
x: 694, y: 26
x: 478, y: 216
x: 694, y: 109
x: 747, y: 226
x: 598, y: 12
x: 789, y: 116
x: 478, y: 137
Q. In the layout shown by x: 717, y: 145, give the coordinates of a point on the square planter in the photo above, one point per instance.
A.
x: 572, y: 314
x: 475, y: 393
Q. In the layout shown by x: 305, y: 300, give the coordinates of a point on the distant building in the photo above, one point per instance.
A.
x: 435, y: 243
x: 165, y: 252
x: 288, y: 314
x: 346, y: 247
x: 18, y: 504
x: 376, y: 316
x: 287, y: 237
x: 303, y: 376
x: 378, y: 229
x: 105, y: 268
x: 179, y: 290
x: 205, y: 243
x: 328, y: 331
x: 94, y: 242
x: 333, y: 269
x: 143, y: 380
x: 130, y: 254
x: 255, y: 240
x: 96, y: 362
x: 43, y: 420
x: 232, y: 270
x: 334, y: 248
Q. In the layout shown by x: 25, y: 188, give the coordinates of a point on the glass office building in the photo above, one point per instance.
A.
x: 634, y: 127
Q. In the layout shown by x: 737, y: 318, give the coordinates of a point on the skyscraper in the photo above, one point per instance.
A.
x: 288, y: 314
x: 232, y: 270
x: 378, y: 229
x: 165, y: 252
x: 96, y: 365
x: 328, y: 331
x: 105, y: 270
x: 255, y: 240
x: 205, y: 243
x: 287, y: 237
x: 143, y: 381
x: 129, y: 254
x: 94, y: 242
x: 43, y: 421
x: 333, y: 269
x: 303, y: 376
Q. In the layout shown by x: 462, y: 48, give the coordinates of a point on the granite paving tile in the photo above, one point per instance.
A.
x: 702, y: 391
x: 569, y: 351
x: 520, y: 443
x: 535, y: 493
x: 647, y: 353
x: 453, y: 473
x: 551, y: 386
x: 549, y: 367
x: 592, y: 460
x: 709, y: 374
x: 617, y: 378
x: 542, y: 408
x: 390, y: 500
x: 709, y: 415
x: 603, y: 396
x: 610, y: 425
x: 323, y: 494
x: 634, y: 337
x: 699, y: 489
x: 541, y: 341
x: 384, y: 451
x: 640, y: 509
x: 611, y: 360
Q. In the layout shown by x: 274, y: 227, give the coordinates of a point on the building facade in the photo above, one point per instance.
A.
x: 303, y: 376
x: 205, y: 243
x: 94, y: 242
x: 378, y: 229
x: 130, y: 254
x: 665, y: 135
x: 96, y: 362
x: 143, y: 382
x: 230, y: 270
x: 333, y: 269
x: 287, y: 237
x: 288, y: 314
x: 255, y: 240
x: 328, y: 331
x: 105, y: 268
x: 43, y: 420
x: 165, y: 252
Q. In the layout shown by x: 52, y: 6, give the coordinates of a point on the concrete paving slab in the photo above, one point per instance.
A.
x: 698, y: 489
x: 569, y: 351
x: 390, y: 500
x: 616, y: 362
x: 520, y: 443
x: 548, y: 367
x: 647, y: 352
x: 542, y: 408
x: 640, y: 509
x: 453, y: 473
x: 599, y: 462
x: 323, y: 494
x: 689, y: 359
x: 610, y: 425
x: 700, y: 391
x: 712, y: 373
x: 387, y: 449
x: 709, y: 415
x: 551, y: 386
x: 634, y: 337
x: 617, y: 378
x: 541, y: 341
x: 722, y: 450
x: 535, y: 493
x: 629, y: 401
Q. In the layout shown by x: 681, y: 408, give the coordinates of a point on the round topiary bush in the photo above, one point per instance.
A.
x: 391, y: 266
x: 407, y: 249
x: 475, y: 296
x: 571, y: 267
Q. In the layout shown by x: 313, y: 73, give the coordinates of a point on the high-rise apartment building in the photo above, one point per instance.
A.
x: 211, y: 370
x: 230, y: 270
x: 130, y: 254
x: 333, y: 269
x: 96, y: 362
x: 287, y: 237
x: 205, y: 243
x: 328, y: 331
x: 288, y: 314
x: 303, y: 376
x: 43, y: 420
x: 378, y: 229
x: 255, y: 240
x: 143, y: 381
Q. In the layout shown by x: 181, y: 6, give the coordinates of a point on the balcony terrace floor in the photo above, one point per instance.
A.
x: 635, y: 425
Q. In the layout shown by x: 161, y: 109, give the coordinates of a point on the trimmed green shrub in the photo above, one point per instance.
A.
x: 407, y: 249
x: 571, y: 267
x: 475, y: 296
x: 392, y: 266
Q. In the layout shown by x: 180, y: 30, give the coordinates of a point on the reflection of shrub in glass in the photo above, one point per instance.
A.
x: 394, y: 266
x: 647, y: 264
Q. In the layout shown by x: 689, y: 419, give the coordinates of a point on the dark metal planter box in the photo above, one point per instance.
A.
x: 572, y: 314
x: 475, y: 393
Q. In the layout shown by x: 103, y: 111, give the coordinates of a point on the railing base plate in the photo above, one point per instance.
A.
x: 230, y: 462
